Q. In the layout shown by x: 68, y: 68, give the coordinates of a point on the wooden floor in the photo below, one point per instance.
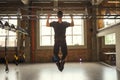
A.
x: 49, y: 71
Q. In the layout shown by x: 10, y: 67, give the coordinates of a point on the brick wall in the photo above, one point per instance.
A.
x: 73, y: 55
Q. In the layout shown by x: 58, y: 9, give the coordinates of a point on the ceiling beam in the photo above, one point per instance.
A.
x: 55, y: 5
x: 25, y: 1
x: 96, y: 2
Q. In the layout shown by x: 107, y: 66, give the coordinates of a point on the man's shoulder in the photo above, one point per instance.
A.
x: 54, y: 22
x: 65, y: 22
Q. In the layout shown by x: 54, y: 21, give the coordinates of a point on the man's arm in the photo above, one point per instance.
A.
x: 47, y: 23
x: 72, y: 22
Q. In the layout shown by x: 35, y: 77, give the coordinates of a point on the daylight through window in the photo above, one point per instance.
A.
x: 74, y: 35
x: 11, y: 35
x: 110, y: 39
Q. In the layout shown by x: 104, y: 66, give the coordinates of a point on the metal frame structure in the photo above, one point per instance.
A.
x: 75, y: 10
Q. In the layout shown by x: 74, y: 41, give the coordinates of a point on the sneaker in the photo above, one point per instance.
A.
x: 58, y: 65
x: 62, y: 65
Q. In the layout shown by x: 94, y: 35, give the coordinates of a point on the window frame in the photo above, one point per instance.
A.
x: 107, y: 46
x: 112, y: 36
x: 51, y: 47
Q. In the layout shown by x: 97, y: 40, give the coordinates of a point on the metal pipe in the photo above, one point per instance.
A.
x: 51, y: 15
x: 37, y: 7
x: 63, y: 18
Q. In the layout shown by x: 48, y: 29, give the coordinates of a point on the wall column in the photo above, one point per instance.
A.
x: 118, y: 49
x: 94, y: 36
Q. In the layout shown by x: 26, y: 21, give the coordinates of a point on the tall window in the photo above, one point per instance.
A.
x: 110, y: 39
x: 11, y: 36
x: 74, y: 35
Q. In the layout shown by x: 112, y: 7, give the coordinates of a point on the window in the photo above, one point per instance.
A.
x: 11, y: 35
x: 110, y: 39
x: 109, y: 22
x: 74, y: 35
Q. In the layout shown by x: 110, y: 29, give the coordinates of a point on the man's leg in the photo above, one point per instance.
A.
x: 64, y: 50
x: 56, y: 51
x: 56, y: 57
x: 64, y: 54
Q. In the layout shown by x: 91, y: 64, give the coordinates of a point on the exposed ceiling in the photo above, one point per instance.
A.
x: 93, y: 2
x: 41, y: 1
x: 51, y: 3
x: 54, y: 6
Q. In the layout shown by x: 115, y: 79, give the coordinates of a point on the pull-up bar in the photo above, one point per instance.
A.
x: 79, y: 16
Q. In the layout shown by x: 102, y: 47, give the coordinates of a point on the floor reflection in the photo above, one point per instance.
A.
x: 13, y: 75
x: 49, y: 71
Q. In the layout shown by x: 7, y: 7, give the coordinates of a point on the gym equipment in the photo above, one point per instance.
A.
x: 19, y: 56
x: 6, y: 61
x: 21, y: 30
x: 16, y: 54
x: 22, y: 49
x: 7, y: 26
x: 13, y: 28
x: 1, y: 25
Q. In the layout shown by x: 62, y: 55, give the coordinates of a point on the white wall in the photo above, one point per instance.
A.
x: 118, y: 48
x: 113, y: 29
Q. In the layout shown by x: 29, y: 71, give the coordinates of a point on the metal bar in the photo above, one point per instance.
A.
x: 63, y: 18
x: 51, y: 15
x: 37, y: 7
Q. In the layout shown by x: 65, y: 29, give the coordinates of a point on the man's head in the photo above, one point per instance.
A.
x: 59, y: 14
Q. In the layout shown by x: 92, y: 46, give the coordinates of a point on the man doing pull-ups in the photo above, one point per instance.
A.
x: 60, y: 38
